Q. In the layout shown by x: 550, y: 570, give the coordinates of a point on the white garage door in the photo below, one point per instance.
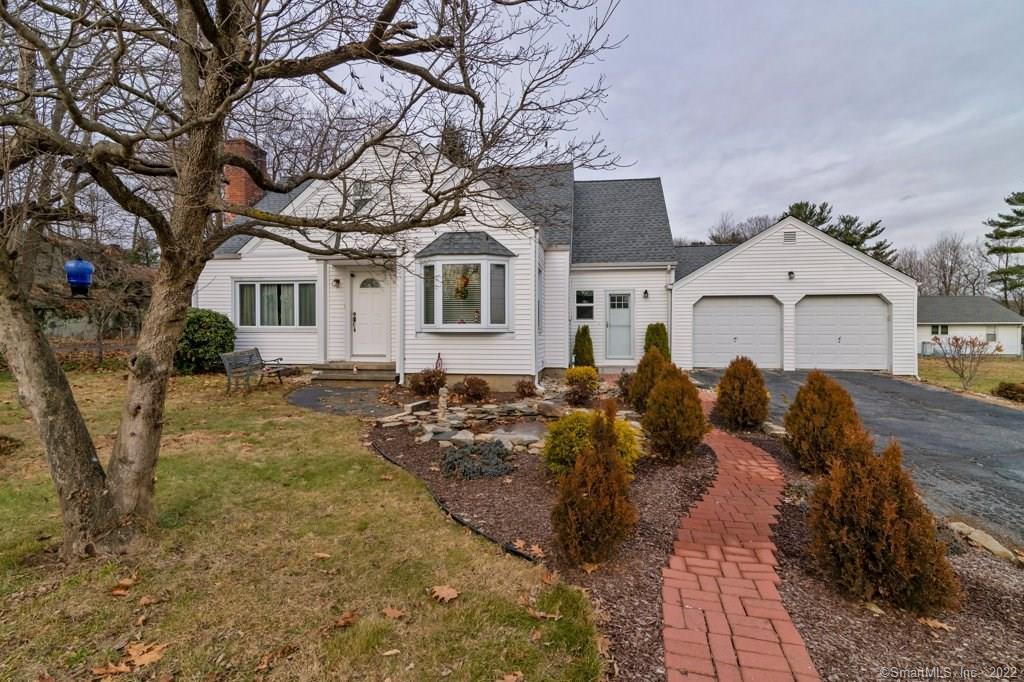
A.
x: 842, y: 332
x: 727, y: 326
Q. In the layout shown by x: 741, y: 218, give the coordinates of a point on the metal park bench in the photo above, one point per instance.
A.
x: 243, y: 365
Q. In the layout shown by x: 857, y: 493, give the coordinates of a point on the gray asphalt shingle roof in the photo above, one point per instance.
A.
x: 544, y: 194
x: 621, y: 221
x: 272, y: 202
x: 465, y: 244
x: 963, y: 309
x: 692, y: 258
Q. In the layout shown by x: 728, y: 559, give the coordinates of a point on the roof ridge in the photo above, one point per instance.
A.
x: 651, y: 177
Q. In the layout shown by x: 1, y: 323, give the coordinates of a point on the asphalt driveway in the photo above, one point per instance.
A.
x: 966, y: 455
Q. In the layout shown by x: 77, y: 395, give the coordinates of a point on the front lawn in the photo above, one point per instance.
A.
x: 992, y: 371
x: 273, y: 521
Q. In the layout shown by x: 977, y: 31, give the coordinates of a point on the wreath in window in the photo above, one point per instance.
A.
x: 462, y: 287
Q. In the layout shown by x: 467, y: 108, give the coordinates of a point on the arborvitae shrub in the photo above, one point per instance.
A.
x: 657, y: 336
x: 583, y: 348
x: 525, y: 388
x: 593, y: 513
x: 872, y: 534
x: 1014, y: 392
x: 742, y: 398
x: 583, y: 382
x: 650, y: 369
x: 570, y: 435
x: 674, y: 421
x: 206, y: 335
x: 428, y: 382
x: 818, y: 422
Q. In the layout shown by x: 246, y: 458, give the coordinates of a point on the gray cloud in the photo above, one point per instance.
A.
x: 911, y: 112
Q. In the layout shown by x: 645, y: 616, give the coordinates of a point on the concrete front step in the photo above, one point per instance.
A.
x: 348, y: 383
x: 360, y: 376
x: 347, y: 366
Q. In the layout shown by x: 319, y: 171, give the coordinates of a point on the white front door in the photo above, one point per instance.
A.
x: 619, y: 342
x: 371, y: 308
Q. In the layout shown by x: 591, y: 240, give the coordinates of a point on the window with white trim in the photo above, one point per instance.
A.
x: 991, y: 334
x: 464, y: 294
x: 940, y: 330
x: 585, y: 304
x: 276, y: 304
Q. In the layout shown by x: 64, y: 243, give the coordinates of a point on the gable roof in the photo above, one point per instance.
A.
x: 793, y: 223
x: 465, y: 244
x: 692, y: 258
x: 621, y: 221
x: 963, y: 309
x: 544, y: 194
x: 271, y: 202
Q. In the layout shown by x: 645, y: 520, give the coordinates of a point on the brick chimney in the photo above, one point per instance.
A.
x: 239, y: 188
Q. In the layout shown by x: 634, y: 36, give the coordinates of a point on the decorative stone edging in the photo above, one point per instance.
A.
x: 723, y: 616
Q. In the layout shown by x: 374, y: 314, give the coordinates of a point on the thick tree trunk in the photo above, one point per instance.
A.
x: 91, y: 523
x: 132, y: 467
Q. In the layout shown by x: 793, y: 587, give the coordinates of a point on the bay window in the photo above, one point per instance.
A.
x: 464, y: 294
x: 276, y: 304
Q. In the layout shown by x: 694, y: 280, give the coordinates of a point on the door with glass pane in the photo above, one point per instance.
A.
x: 371, y: 308
x: 619, y: 326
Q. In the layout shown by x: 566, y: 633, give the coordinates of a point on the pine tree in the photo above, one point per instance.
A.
x: 849, y: 229
x: 1006, y: 243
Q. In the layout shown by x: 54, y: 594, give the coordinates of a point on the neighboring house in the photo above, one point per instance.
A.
x: 505, y: 304
x: 965, y: 316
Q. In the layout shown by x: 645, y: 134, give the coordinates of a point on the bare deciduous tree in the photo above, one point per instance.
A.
x: 964, y: 355
x: 353, y: 93
x: 730, y: 231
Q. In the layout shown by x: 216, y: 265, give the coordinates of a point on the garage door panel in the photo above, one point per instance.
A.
x: 727, y: 326
x: 842, y: 332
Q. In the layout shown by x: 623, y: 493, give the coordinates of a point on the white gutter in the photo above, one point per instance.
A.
x: 400, y: 274
x: 324, y: 288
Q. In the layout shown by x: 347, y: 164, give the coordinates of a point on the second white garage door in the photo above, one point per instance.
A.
x: 727, y: 326
x: 842, y: 332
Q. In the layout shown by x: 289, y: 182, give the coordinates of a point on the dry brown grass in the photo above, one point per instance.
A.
x: 250, y: 492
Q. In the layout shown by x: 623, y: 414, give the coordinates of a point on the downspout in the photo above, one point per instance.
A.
x: 669, y: 276
x: 401, y: 274
x: 536, y: 302
x: 324, y: 307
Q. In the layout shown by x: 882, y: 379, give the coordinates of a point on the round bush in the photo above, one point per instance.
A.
x: 872, y: 534
x: 428, y: 382
x: 525, y: 388
x: 569, y: 436
x: 206, y: 335
x: 742, y: 398
x: 819, y: 422
x: 583, y: 382
x: 657, y: 336
x: 650, y: 369
x: 674, y: 420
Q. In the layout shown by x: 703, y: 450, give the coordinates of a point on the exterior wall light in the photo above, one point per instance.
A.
x: 791, y: 274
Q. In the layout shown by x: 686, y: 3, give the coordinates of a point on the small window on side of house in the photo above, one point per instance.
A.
x: 585, y: 304
x: 990, y: 334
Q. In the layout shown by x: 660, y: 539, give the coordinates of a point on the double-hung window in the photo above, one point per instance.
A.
x: 940, y: 329
x: 276, y: 304
x: 464, y: 294
x: 585, y: 304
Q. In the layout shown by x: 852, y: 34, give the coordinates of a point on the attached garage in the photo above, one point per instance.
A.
x: 842, y: 332
x: 727, y: 326
x: 793, y: 298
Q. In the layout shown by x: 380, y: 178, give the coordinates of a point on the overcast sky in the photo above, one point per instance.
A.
x: 912, y: 112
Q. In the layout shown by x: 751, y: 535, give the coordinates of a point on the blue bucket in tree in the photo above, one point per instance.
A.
x: 79, y: 274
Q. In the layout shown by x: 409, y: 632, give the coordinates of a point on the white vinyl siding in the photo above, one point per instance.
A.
x: 645, y: 311
x: 725, y: 327
x: 1008, y: 335
x: 556, y: 309
x: 270, y: 262
x: 819, y: 267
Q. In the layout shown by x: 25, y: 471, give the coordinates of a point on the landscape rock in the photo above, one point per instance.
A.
x: 418, y: 406
x: 546, y: 408
x: 463, y: 437
x: 982, y: 539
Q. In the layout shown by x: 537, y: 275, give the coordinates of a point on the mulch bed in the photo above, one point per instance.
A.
x: 626, y: 591
x: 849, y: 642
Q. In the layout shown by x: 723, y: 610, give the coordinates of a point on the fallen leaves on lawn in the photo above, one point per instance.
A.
x: 109, y: 668
x: 515, y: 676
x: 141, y: 654
x: 535, y: 635
x: 604, y: 646
x: 387, y: 477
x: 936, y: 624
x: 148, y: 600
x: 873, y: 608
x: 519, y: 544
x: 321, y: 555
x: 268, y: 660
x: 124, y: 585
x: 549, y: 578
x: 536, y: 552
x: 345, y: 620
x: 391, y: 652
x: 444, y: 593
x: 393, y: 613
x: 589, y: 568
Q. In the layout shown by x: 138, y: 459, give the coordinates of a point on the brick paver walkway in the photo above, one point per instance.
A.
x: 722, y: 614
